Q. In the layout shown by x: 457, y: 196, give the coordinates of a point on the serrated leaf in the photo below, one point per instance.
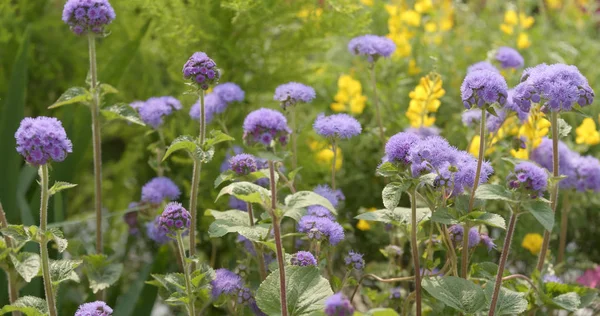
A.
x: 306, y: 292
x: 16, y: 232
x: 569, y: 301
x: 304, y: 199
x: 101, y: 272
x: 292, y: 175
x: 442, y: 216
x: 231, y: 175
x: 184, y: 142
x: 563, y: 128
x: 248, y: 192
x: 202, y: 276
x: 235, y: 221
x: 59, y: 186
x: 28, y: 305
x: 542, y: 212
x: 122, y: 111
x: 387, y: 169
x: 460, y: 294
x: 72, y: 95
x: 204, y: 156
x: 484, y: 270
x: 509, y: 302
x: 63, y: 270
x: 56, y: 234
x: 392, y: 193
x: 216, y: 137
x: 486, y: 219
x: 493, y: 192
x: 27, y: 264
x: 105, y: 88
x: 400, y: 215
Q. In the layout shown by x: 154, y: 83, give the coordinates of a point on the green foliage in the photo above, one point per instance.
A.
x: 71, y: 96
x: 101, y: 272
x: 460, y: 294
x: 63, y: 270
x: 391, y: 194
x: 248, y: 192
x: 304, y: 199
x: 542, y: 213
x: 27, y: 264
x: 509, y: 302
x: 28, y: 305
x: 59, y: 186
x: 122, y: 111
x: 399, y: 216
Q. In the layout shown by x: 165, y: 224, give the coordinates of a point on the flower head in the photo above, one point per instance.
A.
x: 319, y: 211
x: 530, y: 177
x: 243, y: 164
x: 85, y: 16
x: 155, y: 233
x: 97, y: 308
x: 509, y: 57
x: 266, y: 126
x: 483, y: 87
x: 533, y: 243
x: 321, y: 228
x: 293, y: 92
x: 398, y: 147
x: 41, y: 140
x: 586, y: 175
x: 488, y: 242
x: 213, y: 105
x: 201, y: 70
x: 457, y: 231
x: 354, y: 260
x: 303, y: 258
x: 423, y: 132
x: 590, y: 278
x: 372, y: 46
x: 174, y: 218
x: 333, y: 196
x: 153, y: 110
x: 512, y: 106
x: 471, y: 117
x: 229, y: 92
x: 159, y: 189
x: 482, y: 65
x: 341, y: 126
x: 338, y: 305
x: 225, y: 282
x: 543, y: 156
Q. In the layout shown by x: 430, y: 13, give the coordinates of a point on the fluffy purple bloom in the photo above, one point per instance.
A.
x: 466, y: 166
x: 483, y: 87
x: 201, y: 70
x: 457, y: 231
x: 237, y: 204
x: 97, y: 308
x: 487, y: 242
x: 338, y: 305
x: 543, y: 154
x: 155, y: 233
x: 471, y: 118
x: 85, y: 16
x: 293, y: 92
x: 354, y: 260
x: 341, y: 126
x: 229, y: 92
x: 552, y: 278
x: 319, y: 211
x: 266, y: 126
x: 530, y: 177
x: 398, y: 147
x: 225, y: 282
x: 423, y: 132
x: 174, y: 218
x: 303, y: 259
x: 512, y: 106
x: 41, y: 140
x: 247, y: 244
x: 482, y: 65
x: 431, y: 152
x: 235, y: 150
x: 586, y: 173
x: 159, y: 189
x: 153, y: 110
x: 372, y: 46
x: 243, y: 164
x: 557, y: 86
x: 213, y: 105
x: 509, y: 58
x: 333, y: 196
x: 321, y: 228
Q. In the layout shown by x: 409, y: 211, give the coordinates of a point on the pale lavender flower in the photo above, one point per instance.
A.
x: 266, y: 126
x: 488, y: 242
x: 159, y: 189
x: 155, y: 233
x: 213, y: 105
x: 201, y: 70
x: 509, y: 58
x: 321, y: 228
x: 529, y: 177
x: 423, y: 132
x: 543, y: 154
x: 482, y: 65
x: 551, y: 278
x: 341, y: 126
x: 225, y: 282
x: 229, y: 92
x: 85, y: 16
x: 354, y: 260
x: 338, y: 305
x: 319, y: 211
x: 41, y: 140
x: 372, y: 46
x: 293, y: 92
x: 243, y: 164
x: 333, y: 196
x: 483, y: 87
x: 398, y: 147
x: 587, y: 173
x: 457, y: 231
x: 303, y: 259
x: 153, y: 110
x: 97, y: 308
x: 512, y: 106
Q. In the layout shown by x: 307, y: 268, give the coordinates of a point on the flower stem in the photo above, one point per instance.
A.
x: 294, y: 139
x: 373, y: 276
x: 334, y: 148
x: 480, y: 157
x: 505, y: 250
x: 160, y: 153
x: 261, y: 260
x: 564, y: 225
x: 415, y: 249
x: 186, y: 272
x: 277, y: 233
x: 376, y: 102
x: 13, y: 292
x: 554, y: 192
x: 44, y: 179
x: 196, y: 181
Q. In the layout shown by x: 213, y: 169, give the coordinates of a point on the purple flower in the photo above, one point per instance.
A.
x: 488, y: 242
x: 159, y: 189
x: 41, y: 140
x: 398, y: 147
x: 225, y: 282
x: 423, y: 132
x: 552, y: 278
x: 247, y: 243
x: 153, y: 110
x: 512, y: 106
x: 341, y: 126
x: 332, y: 196
x: 396, y: 293
x: 457, y: 231
x: 354, y: 260
x: 265, y: 126
x: 293, y: 92
x: 543, y: 154
x: 483, y: 87
x: 201, y: 70
x: 83, y: 16
x: 338, y: 305
x: 586, y: 173
x: 237, y: 204
x: 319, y: 211
x: 97, y: 308
x: 174, y: 218
x: 482, y: 65
x: 229, y: 92
x: 243, y: 164
x: 530, y: 177
x: 131, y: 218
x: 213, y: 105
x: 466, y: 166
x: 235, y: 150
x: 303, y: 258
x: 471, y: 118
x: 321, y: 228
x: 557, y: 86
x: 509, y: 58
x: 155, y: 233
x: 372, y: 46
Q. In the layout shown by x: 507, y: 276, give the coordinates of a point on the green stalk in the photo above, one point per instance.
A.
x: 45, y: 195
x: 13, y: 291
x: 186, y: 272
x: 334, y: 148
x: 504, y: 256
x: 415, y: 249
x: 277, y: 233
x: 294, y: 139
x: 262, y: 270
x: 564, y: 225
x: 196, y: 181
x: 376, y: 102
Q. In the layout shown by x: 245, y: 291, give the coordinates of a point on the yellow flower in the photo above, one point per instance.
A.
x: 364, y: 225
x: 411, y: 17
x: 554, y: 4
x: 325, y: 157
x: 423, y: 6
x: 587, y: 132
x: 349, y: 96
x: 523, y: 41
x: 525, y: 21
x: 474, y: 146
x: 536, y: 127
x: 367, y: 2
x: 521, y: 153
x: 413, y: 69
x: 307, y: 13
x: 510, y: 17
x: 507, y: 29
x: 430, y: 27
x: 425, y: 100
x: 533, y: 243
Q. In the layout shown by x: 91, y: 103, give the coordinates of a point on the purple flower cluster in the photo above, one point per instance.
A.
x: 341, y: 126
x: 237, y: 204
x: 338, y: 305
x: 293, y: 92
x: 174, y: 218
x: 155, y: 233
x: 84, y: 16
x: 333, y: 196
x: 354, y: 260
x: 372, y: 46
x: 475, y: 238
x: 529, y: 177
x: 321, y: 228
x: 512, y: 106
x: 217, y: 102
x: 159, y: 189
x: 41, y: 140
x: 229, y: 92
x: 201, y: 70
x: 243, y: 164
x: 266, y: 126
x: 482, y: 65
x: 558, y: 87
x: 97, y: 308
x: 303, y: 259
x: 483, y: 87
x: 398, y: 146
x: 319, y: 211
x: 153, y: 110
x: 225, y: 282
x: 509, y: 58
x: 235, y: 150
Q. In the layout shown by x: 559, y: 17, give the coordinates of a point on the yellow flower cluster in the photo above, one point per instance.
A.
x: 365, y: 225
x: 425, y: 100
x: 349, y: 96
x: 536, y: 127
x: 558, y: 4
x: 533, y: 243
x: 324, y: 154
x: 519, y: 22
x: 308, y: 13
x: 587, y: 133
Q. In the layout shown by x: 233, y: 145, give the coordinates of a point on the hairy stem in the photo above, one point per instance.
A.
x: 480, y: 158
x: 373, y: 276
x: 261, y: 260
x: 45, y: 195
x: 294, y: 139
x: 503, y: 257
x: 186, y: 272
x: 376, y: 102
x: 277, y: 233
x: 160, y: 153
x: 415, y: 249
x: 564, y: 225
x: 334, y: 148
x: 13, y: 292
x: 196, y: 181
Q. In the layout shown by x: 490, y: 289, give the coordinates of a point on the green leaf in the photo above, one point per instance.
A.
x: 72, y: 95
x: 569, y: 301
x: 105, y: 89
x: 486, y: 219
x: 248, y: 192
x: 28, y: 305
x: 304, y: 199
x: 493, y: 192
x: 53, y: 233
x: 184, y: 142
x: 234, y: 221
x: 122, y: 111
x: 16, y: 232
x: 63, y: 270
x: 484, y: 270
x: 169, y: 283
x: 563, y: 128
x: 292, y: 175
x: 384, y: 216
x: 509, y: 302
x: 400, y: 215
x: 216, y: 137
x: 542, y: 212
x: 59, y: 186
x: 295, y: 213
x: 306, y: 291
x: 443, y: 216
x: 101, y: 272
x: 231, y: 175
x: 428, y: 178
x: 381, y: 312
x: 458, y: 293
x: 27, y: 264
x: 387, y: 169
x: 391, y: 194
x: 204, y: 156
